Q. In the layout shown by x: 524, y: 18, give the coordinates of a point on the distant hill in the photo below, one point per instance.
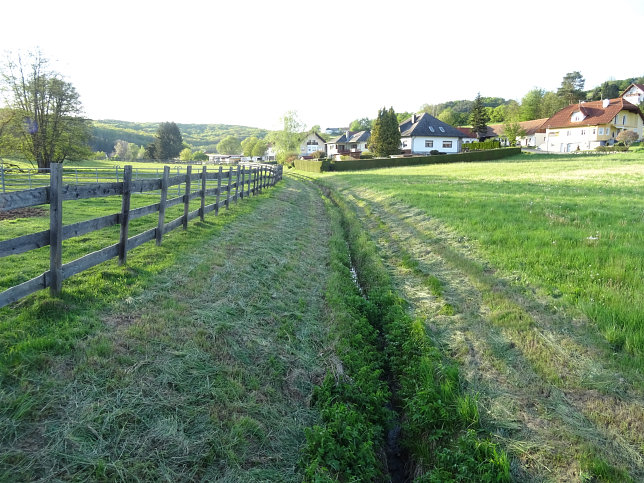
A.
x: 198, y: 136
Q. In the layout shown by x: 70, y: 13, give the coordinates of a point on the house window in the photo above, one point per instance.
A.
x: 312, y: 143
x: 441, y: 128
x: 354, y: 146
x: 624, y: 119
x: 583, y: 132
x: 429, y: 144
x: 431, y: 128
x: 404, y: 144
x: 601, y: 131
x: 594, y: 131
x: 567, y: 133
x: 447, y: 144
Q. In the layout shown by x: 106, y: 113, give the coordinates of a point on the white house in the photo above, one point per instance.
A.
x: 422, y: 133
x: 586, y: 125
x: 312, y: 143
x: 349, y: 144
x: 634, y: 94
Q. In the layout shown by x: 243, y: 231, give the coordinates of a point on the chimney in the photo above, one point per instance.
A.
x: 605, y: 103
x: 414, y: 118
x: 347, y: 134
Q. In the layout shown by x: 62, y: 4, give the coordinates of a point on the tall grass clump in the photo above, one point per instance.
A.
x: 440, y: 423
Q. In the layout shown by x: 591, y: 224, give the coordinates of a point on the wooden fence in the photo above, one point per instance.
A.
x: 235, y: 183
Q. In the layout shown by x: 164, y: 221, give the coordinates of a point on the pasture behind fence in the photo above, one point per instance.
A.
x: 234, y: 182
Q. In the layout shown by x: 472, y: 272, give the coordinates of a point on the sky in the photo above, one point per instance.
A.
x: 249, y: 62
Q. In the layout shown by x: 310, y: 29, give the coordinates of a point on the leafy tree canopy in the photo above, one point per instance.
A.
x: 362, y: 124
x: 46, y: 121
x: 229, y: 145
x: 168, y: 142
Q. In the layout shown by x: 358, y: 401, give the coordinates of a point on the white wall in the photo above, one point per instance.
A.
x: 418, y: 145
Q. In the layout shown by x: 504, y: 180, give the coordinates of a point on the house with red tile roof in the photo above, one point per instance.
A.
x: 587, y: 125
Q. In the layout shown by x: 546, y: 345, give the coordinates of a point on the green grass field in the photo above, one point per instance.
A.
x: 529, y: 274
x: 504, y: 315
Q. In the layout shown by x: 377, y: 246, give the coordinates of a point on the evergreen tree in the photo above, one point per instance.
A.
x: 169, y: 142
x: 479, y: 117
x: 572, y: 88
x: 385, y: 134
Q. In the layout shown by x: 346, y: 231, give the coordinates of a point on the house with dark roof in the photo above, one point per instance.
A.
x: 586, y: 125
x: 422, y: 133
x: 634, y: 94
x: 348, y: 144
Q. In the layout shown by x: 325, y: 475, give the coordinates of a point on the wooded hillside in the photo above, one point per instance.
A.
x: 202, y: 136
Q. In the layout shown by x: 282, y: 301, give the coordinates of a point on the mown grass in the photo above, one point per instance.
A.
x: 194, y: 362
x: 570, y: 225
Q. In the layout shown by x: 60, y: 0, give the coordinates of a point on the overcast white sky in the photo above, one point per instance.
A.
x: 249, y: 61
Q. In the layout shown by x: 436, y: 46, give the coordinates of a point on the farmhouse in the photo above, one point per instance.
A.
x: 422, y: 133
x: 586, y: 125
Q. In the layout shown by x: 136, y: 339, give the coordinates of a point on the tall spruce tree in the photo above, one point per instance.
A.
x: 479, y: 117
x: 385, y: 134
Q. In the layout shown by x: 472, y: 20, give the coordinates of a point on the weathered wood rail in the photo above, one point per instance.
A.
x: 233, y: 183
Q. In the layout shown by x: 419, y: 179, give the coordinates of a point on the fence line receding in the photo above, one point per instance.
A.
x: 232, y: 183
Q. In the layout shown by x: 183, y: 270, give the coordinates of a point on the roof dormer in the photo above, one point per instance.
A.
x: 577, y: 116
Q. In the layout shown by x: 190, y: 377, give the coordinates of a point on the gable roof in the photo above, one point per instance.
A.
x: 354, y: 137
x: 306, y: 135
x: 639, y: 86
x: 426, y: 125
x: 594, y: 111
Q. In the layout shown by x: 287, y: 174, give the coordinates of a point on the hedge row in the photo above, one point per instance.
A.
x: 360, y: 164
x: 481, y: 146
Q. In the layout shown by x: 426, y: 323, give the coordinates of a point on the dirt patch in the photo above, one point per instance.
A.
x: 30, y: 212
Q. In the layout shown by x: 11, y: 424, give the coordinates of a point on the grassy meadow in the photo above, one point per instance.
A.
x: 573, y: 226
x: 527, y: 274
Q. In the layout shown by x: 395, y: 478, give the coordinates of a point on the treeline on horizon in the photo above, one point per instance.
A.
x: 536, y: 104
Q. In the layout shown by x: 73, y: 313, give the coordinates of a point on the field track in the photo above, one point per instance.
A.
x: 204, y: 375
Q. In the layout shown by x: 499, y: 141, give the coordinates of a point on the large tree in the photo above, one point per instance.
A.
x: 572, y: 88
x: 362, y: 124
x: 229, y: 145
x: 48, y: 126
x: 287, y: 141
x: 479, y: 117
x: 168, y: 142
x: 385, y: 133
x: 247, y: 146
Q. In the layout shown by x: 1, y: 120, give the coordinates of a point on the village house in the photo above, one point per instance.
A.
x: 634, y: 94
x: 422, y: 134
x: 348, y: 144
x: 587, y: 125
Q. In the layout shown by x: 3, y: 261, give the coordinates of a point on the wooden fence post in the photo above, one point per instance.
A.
x: 56, y: 229
x: 237, y: 183
x: 250, y: 178
x: 186, y: 198
x: 243, y: 181
x: 202, y: 211
x: 218, y: 190
x: 125, y: 213
x: 230, y: 177
x: 164, y: 197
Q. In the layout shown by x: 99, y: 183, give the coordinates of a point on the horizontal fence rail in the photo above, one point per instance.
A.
x: 232, y: 184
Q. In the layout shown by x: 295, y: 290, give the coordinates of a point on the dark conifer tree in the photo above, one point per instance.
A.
x: 385, y: 135
x: 479, y: 118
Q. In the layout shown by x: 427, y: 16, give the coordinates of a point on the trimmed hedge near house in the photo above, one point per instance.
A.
x: 312, y: 165
x: 360, y: 164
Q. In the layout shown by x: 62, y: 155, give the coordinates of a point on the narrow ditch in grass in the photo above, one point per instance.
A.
x: 397, y: 458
